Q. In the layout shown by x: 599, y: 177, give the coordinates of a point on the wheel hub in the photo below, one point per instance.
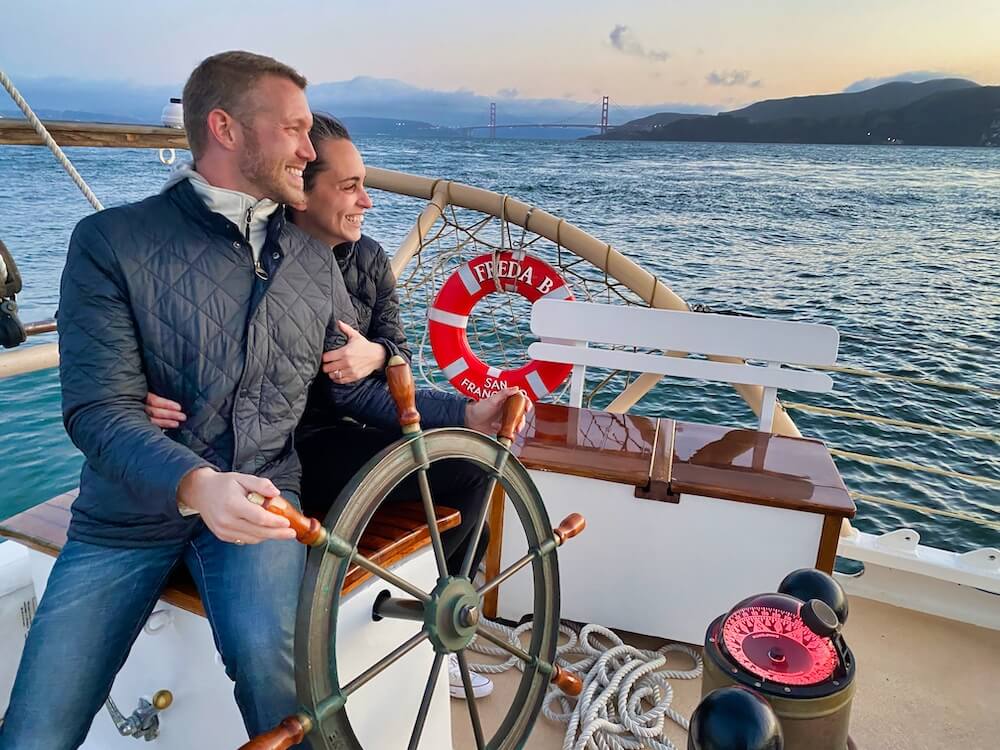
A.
x: 452, y: 614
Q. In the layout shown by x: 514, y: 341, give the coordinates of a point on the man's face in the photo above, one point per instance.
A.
x: 275, y: 147
x: 335, y: 207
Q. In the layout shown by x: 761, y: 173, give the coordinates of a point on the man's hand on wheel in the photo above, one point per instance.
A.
x: 221, y: 499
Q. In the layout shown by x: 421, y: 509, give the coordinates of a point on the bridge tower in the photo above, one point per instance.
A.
x: 493, y: 121
x: 604, y: 115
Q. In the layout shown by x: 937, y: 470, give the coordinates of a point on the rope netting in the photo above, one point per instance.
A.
x: 499, y: 326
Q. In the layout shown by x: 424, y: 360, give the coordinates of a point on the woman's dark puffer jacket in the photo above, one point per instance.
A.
x: 365, y: 267
x: 372, y: 287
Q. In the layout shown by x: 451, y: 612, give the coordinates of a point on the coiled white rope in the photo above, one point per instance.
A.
x: 50, y: 142
x: 626, y: 694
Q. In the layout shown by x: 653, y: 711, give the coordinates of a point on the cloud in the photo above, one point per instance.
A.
x: 623, y: 40
x: 732, y: 78
x: 508, y: 93
x: 913, y: 76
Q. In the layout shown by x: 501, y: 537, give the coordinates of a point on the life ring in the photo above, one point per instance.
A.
x: 528, y: 276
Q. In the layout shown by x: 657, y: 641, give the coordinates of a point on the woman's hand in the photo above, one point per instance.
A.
x: 356, y: 359
x: 163, y: 412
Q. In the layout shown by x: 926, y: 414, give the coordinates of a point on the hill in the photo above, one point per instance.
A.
x: 629, y: 130
x: 954, y: 113
x: 887, y: 96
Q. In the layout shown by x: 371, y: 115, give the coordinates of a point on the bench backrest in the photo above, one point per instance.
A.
x: 566, y: 328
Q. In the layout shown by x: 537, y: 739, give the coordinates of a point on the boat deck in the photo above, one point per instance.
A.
x: 924, y: 683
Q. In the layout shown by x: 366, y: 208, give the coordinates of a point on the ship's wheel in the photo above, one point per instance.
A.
x: 448, y: 617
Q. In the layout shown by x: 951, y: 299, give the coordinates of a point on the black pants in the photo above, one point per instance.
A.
x: 332, y: 456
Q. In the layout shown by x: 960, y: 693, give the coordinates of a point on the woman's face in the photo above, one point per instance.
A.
x: 335, y: 207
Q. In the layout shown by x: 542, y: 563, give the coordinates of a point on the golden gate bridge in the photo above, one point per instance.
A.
x: 603, y: 126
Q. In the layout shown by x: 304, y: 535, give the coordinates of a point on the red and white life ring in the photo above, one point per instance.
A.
x: 530, y: 277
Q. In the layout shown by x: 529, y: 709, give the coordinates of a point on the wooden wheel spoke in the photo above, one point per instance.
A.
x: 384, y: 663
x: 425, y: 702
x: 510, y: 648
x: 470, y: 700
x: 477, y: 533
x: 428, y: 501
x: 389, y: 577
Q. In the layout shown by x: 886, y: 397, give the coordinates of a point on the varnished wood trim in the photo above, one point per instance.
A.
x: 20, y: 133
x: 494, y: 548
x: 590, y: 444
x: 829, y: 538
x: 184, y: 595
x: 758, y: 468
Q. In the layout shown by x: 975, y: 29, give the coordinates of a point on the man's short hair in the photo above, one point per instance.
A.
x: 224, y: 81
x: 324, y: 128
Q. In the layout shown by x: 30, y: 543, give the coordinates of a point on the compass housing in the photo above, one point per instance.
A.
x: 764, y: 643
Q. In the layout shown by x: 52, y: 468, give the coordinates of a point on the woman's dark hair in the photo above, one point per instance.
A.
x: 324, y: 128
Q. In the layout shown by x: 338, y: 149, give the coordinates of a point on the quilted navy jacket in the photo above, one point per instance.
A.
x: 162, y: 296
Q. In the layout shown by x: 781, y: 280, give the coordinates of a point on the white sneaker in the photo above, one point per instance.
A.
x: 481, y: 684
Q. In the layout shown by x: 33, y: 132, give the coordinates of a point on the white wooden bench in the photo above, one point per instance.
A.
x: 683, y: 520
x: 566, y: 329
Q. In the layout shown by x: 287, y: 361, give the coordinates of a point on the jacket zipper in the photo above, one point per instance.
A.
x: 261, y: 274
x: 257, y: 267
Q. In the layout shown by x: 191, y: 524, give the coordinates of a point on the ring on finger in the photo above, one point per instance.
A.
x: 337, y: 374
x: 239, y: 542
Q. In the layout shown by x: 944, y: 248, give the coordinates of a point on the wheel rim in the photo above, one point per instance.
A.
x: 320, y: 691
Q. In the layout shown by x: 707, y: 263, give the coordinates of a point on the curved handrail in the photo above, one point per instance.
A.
x: 648, y: 287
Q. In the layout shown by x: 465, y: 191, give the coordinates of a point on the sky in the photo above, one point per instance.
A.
x: 718, y: 54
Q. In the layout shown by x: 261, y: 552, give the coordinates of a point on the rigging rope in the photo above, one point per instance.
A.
x: 846, y: 370
x: 50, y: 142
x: 626, y: 695
x: 919, y: 426
x: 910, y: 466
x: 971, y: 517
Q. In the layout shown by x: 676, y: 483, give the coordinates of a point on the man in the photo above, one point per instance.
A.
x: 333, y: 212
x: 228, y: 319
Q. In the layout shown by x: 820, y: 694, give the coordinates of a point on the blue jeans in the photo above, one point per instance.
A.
x: 98, y: 598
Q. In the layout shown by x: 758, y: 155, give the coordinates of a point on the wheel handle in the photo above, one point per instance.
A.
x: 569, y: 527
x: 400, y: 379
x: 513, y: 409
x: 309, y: 531
x: 567, y: 681
x: 290, y: 731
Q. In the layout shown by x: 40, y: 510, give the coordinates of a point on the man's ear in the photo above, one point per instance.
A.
x: 224, y: 129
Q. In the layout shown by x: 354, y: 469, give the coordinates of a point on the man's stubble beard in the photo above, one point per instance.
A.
x: 270, y: 178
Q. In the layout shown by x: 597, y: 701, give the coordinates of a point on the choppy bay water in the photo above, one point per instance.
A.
x: 896, y: 247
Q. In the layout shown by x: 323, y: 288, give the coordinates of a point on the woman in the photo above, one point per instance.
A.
x: 332, y: 448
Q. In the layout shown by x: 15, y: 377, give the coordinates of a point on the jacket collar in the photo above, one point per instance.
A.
x: 188, y: 200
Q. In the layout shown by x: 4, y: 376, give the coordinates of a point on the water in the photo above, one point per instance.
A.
x: 896, y: 247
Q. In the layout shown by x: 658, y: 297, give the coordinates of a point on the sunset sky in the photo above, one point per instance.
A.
x: 715, y: 53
